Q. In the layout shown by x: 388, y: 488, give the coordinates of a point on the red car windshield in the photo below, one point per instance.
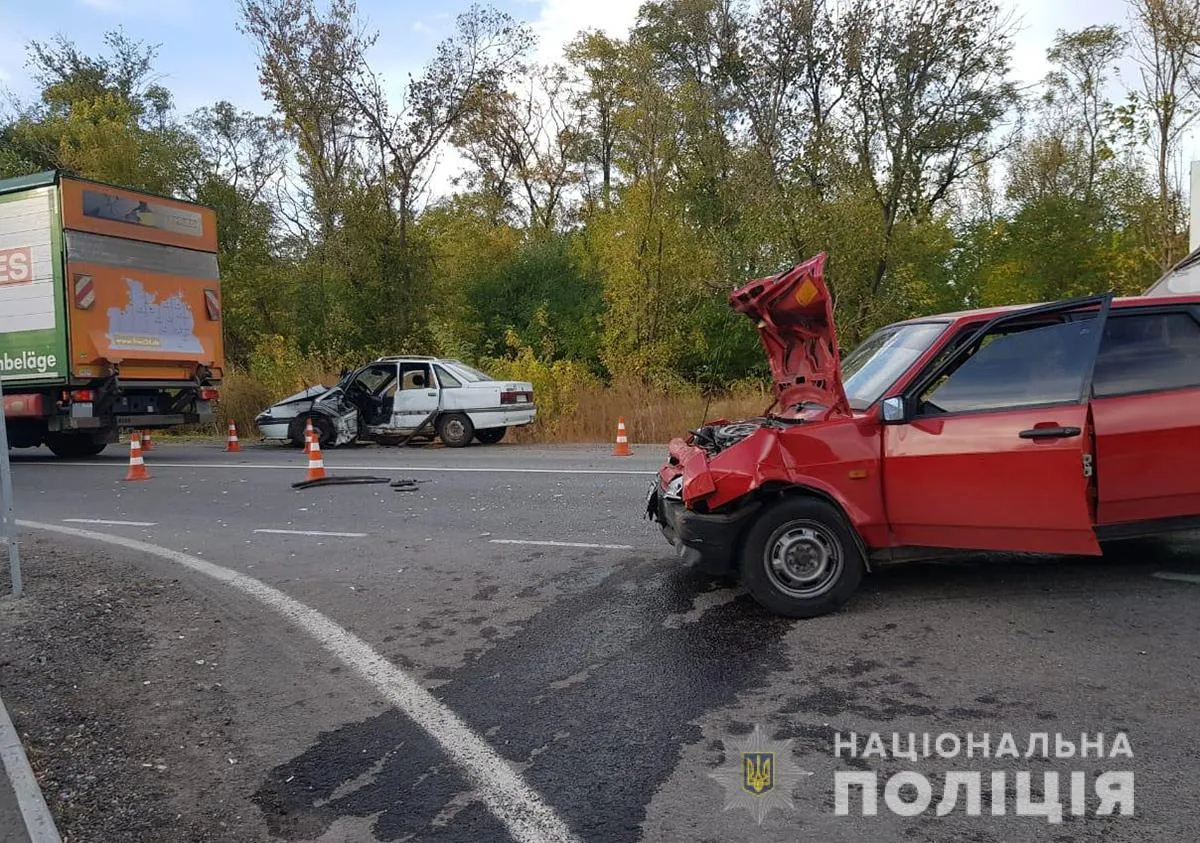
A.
x: 869, y: 370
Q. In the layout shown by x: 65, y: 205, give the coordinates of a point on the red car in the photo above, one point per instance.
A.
x: 1043, y: 429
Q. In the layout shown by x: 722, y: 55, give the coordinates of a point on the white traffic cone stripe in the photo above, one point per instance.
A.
x: 136, y: 461
x: 316, y: 463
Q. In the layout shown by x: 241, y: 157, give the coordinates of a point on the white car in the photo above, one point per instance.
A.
x: 395, y: 399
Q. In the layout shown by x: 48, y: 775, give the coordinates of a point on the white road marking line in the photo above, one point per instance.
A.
x: 32, y: 804
x: 563, y: 544
x: 313, y: 533
x: 521, y: 810
x: 111, y: 523
x: 1168, y: 575
x: 376, y: 468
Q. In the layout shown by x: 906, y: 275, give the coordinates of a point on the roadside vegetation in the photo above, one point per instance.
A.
x: 609, y: 202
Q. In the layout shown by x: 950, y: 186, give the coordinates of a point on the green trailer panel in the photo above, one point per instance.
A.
x: 33, y: 329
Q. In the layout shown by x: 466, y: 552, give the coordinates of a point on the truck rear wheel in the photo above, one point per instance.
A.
x: 74, y: 445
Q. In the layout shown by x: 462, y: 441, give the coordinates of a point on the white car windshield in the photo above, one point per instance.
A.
x: 870, y: 369
x: 467, y: 373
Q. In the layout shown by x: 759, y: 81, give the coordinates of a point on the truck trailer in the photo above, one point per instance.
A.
x: 110, y: 312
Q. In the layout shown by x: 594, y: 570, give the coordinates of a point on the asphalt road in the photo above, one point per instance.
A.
x: 522, y: 586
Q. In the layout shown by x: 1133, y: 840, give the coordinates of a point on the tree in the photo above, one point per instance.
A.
x: 791, y: 75
x: 928, y: 89
x: 524, y: 140
x: 598, y: 98
x: 486, y: 44
x: 102, y: 116
x: 240, y: 162
x: 1084, y: 59
x: 1166, y: 39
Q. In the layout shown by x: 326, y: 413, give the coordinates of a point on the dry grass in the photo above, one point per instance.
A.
x: 575, y: 413
x: 649, y: 416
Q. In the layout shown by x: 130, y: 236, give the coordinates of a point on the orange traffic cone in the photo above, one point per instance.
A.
x: 147, y: 444
x: 232, y: 445
x: 316, y: 465
x: 137, y: 465
x: 622, y: 449
x: 309, y: 433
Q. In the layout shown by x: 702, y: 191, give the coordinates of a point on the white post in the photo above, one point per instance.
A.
x: 1194, y: 218
x: 8, y: 520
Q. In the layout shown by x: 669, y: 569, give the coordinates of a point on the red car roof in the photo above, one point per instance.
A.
x: 985, y: 313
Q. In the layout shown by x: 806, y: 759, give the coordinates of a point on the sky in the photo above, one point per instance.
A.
x: 203, y: 58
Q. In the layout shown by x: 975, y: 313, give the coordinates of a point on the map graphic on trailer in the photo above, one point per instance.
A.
x: 147, y: 323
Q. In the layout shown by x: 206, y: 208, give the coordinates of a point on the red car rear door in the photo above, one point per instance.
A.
x: 993, y: 448
x: 1146, y: 410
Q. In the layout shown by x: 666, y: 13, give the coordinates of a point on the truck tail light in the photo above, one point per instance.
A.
x: 24, y: 405
x: 516, y: 397
x: 209, y: 394
x: 85, y: 292
x: 83, y: 395
x: 212, y: 304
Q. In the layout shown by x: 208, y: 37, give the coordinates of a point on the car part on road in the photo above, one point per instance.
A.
x: 491, y: 435
x: 455, y: 430
x: 801, y: 559
x: 350, y: 480
x: 407, y: 484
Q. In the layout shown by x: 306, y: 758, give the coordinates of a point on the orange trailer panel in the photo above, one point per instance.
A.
x: 153, y: 326
x: 101, y: 209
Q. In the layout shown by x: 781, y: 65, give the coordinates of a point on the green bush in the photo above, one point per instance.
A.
x: 557, y: 384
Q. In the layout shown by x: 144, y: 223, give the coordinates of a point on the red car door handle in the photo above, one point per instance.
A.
x: 1050, y: 433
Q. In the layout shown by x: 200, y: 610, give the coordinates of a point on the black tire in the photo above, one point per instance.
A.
x: 455, y: 430
x: 74, y: 445
x: 321, y: 424
x: 491, y: 435
x: 801, y: 559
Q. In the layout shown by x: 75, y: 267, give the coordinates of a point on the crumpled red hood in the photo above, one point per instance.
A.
x: 794, y: 314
